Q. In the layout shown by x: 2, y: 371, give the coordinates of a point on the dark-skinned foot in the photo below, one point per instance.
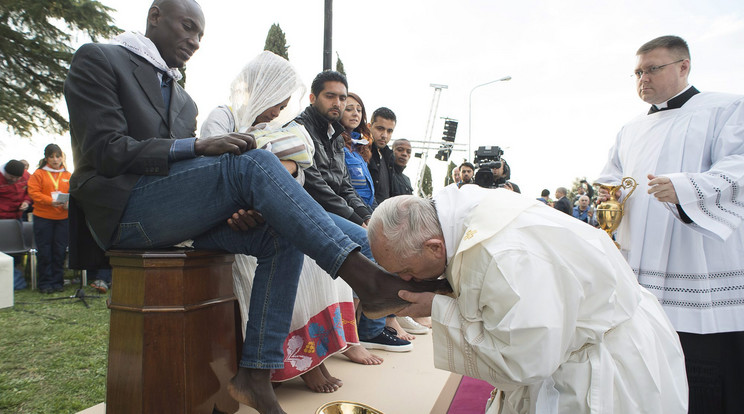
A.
x: 252, y: 387
x: 317, y: 381
x: 330, y: 377
x: 378, y: 289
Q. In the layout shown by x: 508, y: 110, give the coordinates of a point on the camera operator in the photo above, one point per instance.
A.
x: 493, y: 171
x: 466, y: 174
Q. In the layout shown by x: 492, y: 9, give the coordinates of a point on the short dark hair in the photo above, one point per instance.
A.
x: 327, y: 76
x: 383, y: 112
x: 467, y: 164
x: 675, y: 44
x: 545, y: 193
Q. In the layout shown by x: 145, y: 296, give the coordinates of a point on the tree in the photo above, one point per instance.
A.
x: 340, y: 65
x: 425, y: 189
x: 35, y: 54
x: 276, y: 41
x: 448, y: 179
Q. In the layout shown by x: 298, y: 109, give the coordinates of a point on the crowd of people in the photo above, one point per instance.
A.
x: 333, y: 249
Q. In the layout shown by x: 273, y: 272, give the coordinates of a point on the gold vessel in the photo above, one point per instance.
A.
x: 610, y: 212
x: 346, y: 407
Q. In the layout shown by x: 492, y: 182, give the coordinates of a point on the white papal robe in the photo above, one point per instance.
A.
x: 548, y: 311
x: 695, y: 270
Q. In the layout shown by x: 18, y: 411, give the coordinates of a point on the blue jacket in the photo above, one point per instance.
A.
x: 359, y: 176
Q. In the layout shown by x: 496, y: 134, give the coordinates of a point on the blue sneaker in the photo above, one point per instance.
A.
x: 388, y: 340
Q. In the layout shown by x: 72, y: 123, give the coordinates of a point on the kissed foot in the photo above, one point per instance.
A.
x: 360, y: 355
x: 319, y: 380
x: 252, y: 387
x: 392, y: 322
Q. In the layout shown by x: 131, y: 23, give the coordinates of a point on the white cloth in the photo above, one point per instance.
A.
x: 143, y: 47
x: 265, y: 81
x: 695, y: 270
x: 548, y: 311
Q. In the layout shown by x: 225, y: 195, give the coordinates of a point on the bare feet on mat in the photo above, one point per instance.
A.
x: 378, y: 289
x: 317, y: 380
x: 392, y: 322
x: 252, y: 387
x: 360, y: 355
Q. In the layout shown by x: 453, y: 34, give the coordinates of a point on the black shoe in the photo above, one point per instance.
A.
x: 59, y: 289
x: 46, y: 291
x: 388, y: 340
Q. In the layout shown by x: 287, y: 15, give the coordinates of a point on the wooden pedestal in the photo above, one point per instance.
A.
x: 172, y: 344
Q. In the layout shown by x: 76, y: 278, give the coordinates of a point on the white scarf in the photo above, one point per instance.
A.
x: 142, y: 46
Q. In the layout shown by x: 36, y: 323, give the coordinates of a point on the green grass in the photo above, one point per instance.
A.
x: 53, y: 354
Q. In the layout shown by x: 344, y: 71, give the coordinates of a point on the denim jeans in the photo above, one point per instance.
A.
x: 52, y: 237
x: 194, y: 201
x: 366, y: 328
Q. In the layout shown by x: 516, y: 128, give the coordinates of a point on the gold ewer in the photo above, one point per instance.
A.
x: 610, y: 212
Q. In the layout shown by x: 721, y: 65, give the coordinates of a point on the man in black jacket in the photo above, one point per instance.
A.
x: 401, y: 184
x: 327, y: 180
x: 381, y: 163
x: 562, y: 203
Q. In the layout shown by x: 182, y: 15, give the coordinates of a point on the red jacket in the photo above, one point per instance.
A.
x: 12, y: 196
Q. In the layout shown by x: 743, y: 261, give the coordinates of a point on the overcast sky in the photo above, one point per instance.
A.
x: 570, y: 64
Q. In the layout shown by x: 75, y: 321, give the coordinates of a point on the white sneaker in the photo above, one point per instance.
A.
x: 411, y: 326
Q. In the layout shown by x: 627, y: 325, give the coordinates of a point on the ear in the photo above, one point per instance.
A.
x: 312, y: 99
x: 153, y: 16
x: 436, y: 247
x: 685, y: 68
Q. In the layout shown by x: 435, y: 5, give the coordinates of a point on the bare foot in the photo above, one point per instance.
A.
x: 392, y: 322
x: 317, y: 381
x: 424, y: 320
x: 360, y: 355
x: 330, y: 377
x: 252, y: 387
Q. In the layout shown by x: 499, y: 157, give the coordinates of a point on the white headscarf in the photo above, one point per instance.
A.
x: 142, y: 46
x: 265, y: 81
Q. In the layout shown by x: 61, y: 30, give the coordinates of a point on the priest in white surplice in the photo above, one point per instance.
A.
x: 682, y: 231
x: 544, y: 308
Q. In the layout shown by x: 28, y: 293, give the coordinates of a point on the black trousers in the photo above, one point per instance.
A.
x: 715, y: 372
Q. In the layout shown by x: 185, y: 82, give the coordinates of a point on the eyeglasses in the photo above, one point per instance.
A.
x: 653, y: 70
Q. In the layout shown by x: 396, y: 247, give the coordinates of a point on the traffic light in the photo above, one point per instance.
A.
x: 450, y: 129
x: 444, y: 152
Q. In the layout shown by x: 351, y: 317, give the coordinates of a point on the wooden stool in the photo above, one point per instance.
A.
x: 172, y: 343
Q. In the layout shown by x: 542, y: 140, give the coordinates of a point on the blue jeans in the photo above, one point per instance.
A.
x: 52, y: 237
x: 194, y: 201
x: 366, y: 328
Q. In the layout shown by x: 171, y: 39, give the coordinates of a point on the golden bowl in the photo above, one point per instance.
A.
x: 346, y: 407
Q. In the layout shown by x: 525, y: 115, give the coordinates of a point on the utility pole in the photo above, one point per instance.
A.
x: 328, y: 35
x: 429, y: 127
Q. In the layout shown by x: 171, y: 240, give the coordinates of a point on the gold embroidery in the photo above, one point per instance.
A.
x: 469, y: 234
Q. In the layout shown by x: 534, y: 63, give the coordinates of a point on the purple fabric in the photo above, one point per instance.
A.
x: 471, y: 396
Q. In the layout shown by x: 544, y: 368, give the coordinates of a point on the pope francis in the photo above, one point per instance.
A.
x: 545, y: 308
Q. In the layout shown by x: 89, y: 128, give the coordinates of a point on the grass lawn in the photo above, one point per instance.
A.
x: 53, y: 354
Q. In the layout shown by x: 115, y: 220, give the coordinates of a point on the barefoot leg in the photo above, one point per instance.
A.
x: 252, y: 387
x: 360, y: 355
x: 402, y: 334
x: 316, y: 381
x: 330, y: 377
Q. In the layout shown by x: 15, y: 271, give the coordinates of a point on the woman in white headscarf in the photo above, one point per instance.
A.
x: 323, y: 320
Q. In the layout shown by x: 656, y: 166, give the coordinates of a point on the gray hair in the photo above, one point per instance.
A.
x: 407, y: 221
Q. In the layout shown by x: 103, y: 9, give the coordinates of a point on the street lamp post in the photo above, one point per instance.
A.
x: 470, y: 106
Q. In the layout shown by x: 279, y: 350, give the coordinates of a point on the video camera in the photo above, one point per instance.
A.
x: 487, y: 158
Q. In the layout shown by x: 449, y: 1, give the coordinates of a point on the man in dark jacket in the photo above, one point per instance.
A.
x: 327, y: 180
x: 401, y: 184
x: 562, y: 203
x: 381, y: 164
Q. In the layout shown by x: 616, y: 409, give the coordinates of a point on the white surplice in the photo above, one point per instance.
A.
x: 548, y: 311
x: 695, y: 270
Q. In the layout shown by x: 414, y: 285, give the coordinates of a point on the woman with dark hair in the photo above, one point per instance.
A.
x: 357, y: 140
x: 49, y: 188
